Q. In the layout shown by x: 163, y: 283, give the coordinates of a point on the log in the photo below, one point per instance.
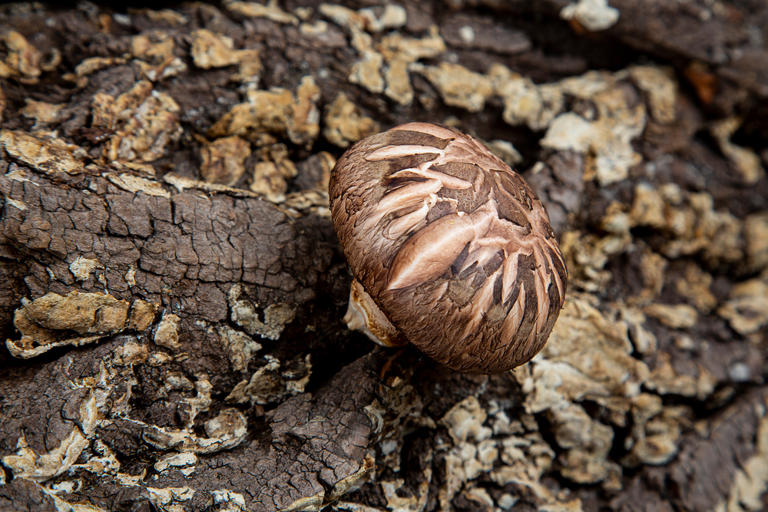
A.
x: 172, y: 291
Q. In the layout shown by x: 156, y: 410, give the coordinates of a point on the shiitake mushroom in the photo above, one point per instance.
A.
x: 450, y: 249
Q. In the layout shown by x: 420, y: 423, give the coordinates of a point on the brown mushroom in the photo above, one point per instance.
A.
x: 450, y: 249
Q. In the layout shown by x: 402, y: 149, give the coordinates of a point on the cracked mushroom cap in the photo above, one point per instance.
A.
x: 449, y: 247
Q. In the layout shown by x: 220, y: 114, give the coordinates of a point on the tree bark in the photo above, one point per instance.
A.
x: 171, y: 289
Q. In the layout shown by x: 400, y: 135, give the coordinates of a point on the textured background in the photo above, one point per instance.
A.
x: 171, y: 290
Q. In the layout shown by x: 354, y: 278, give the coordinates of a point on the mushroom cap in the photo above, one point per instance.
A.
x: 451, y: 244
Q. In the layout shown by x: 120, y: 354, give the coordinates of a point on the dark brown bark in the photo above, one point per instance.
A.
x: 171, y: 288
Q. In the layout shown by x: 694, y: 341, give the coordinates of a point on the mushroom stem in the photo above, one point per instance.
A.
x: 364, y: 315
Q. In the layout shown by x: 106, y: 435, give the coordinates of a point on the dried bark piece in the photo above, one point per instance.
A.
x: 399, y: 53
x: 51, y: 320
x: 677, y: 316
x: 277, y: 111
x: 144, y: 122
x: 345, y: 124
x: 270, y: 11
x: 210, y: 50
x: 747, y: 305
x: 45, y: 153
x: 22, y: 60
x: 224, y: 160
x: 458, y: 86
x: 745, y: 161
x: 273, y: 172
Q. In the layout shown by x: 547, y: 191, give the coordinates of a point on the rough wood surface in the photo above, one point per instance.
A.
x: 171, y: 290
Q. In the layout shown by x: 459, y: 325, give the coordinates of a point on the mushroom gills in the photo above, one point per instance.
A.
x: 364, y: 315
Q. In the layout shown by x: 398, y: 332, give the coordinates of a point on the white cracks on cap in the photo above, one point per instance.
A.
x: 387, y: 152
x: 428, y: 128
x: 408, y: 222
x: 515, y: 316
x: 406, y: 196
x: 430, y: 251
x: 423, y: 171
